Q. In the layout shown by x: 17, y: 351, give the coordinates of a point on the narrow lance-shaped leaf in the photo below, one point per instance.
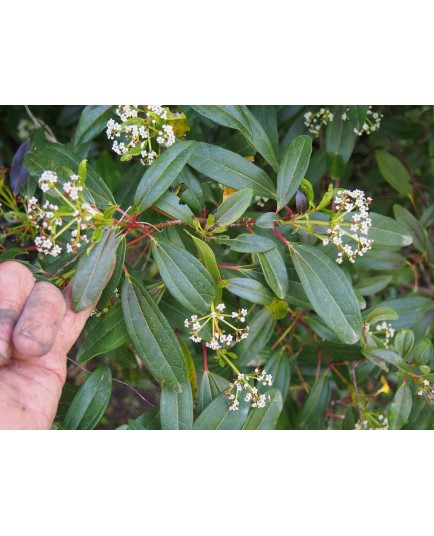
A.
x: 280, y: 369
x: 210, y: 387
x: 394, y: 172
x: 292, y: 169
x: 312, y: 415
x: 275, y: 273
x: 339, y: 141
x: 163, y: 172
x: 261, y: 329
x: 329, y: 292
x: 185, y: 277
x: 218, y: 416
x: 108, y: 333
x: 176, y: 409
x: 93, y: 121
x: 94, y: 271
x: 152, y: 336
x: 170, y: 204
x: 112, y: 285
x: 247, y: 243
x: 265, y: 418
x: 401, y: 407
x: 233, y: 207
x: 231, y: 169
x: 91, y: 401
x: 250, y: 290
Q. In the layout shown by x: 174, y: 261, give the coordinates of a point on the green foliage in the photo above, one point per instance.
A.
x: 251, y: 267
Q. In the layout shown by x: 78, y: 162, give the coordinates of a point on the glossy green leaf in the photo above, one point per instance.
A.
x: 112, y: 285
x: 280, y: 369
x: 218, y: 416
x: 265, y: 418
x: 372, y: 285
x: 152, y: 336
x: 380, y: 314
x: 207, y: 257
x: 268, y: 220
x: 248, y: 243
x: 357, y: 115
x: 93, y: 121
x: 403, y: 342
x: 193, y: 195
x: 176, y: 409
x: 411, y: 310
x: 329, y: 292
x: 241, y: 118
x: 380, y: 356
x: 418, y: 233
x: 231, y: 169
x: 108, y: 333
x: 275, y: 273
x: 233, y: 207
x: 401, y: 407
x: 381, y: 260
x: 163, y: 172
x: 170, y: 204
x: 267, y: 117
x: 261, y: 329
x: 54, y: 156
x: 90, y: 402
x: 312, y: 415
x: 210, y: 387
x: 388, y: 232
x: 185, y: 277
x: 292, y: 169
x: 94, y: 271
x: 339, y: 143
x: 394, y: 172
x: 250, y: 289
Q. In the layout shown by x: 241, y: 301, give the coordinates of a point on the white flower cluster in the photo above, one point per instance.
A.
x: 382, y: 328
x: 252, y: 395
x: 371, y: 124
x: 219, y: 339
x: 139, y: 125
x: 382, y: 424
x: 260, y: 201
x: 49, y: 217
x: 316, y: 120
x: 426, y: 388
x: 347, y: 202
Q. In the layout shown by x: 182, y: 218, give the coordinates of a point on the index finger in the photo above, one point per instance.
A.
x: 16, y: 284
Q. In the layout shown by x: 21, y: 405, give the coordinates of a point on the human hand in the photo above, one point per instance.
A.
x: 37, y: 329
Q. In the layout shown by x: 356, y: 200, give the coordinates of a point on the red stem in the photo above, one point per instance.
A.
x: 205, y: 358
x: 280, y: 237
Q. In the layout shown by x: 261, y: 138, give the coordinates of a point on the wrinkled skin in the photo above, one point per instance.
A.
x: 37, y: 329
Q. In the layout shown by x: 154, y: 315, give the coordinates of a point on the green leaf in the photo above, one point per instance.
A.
x: 403, y: 342
x: 248, y: 243
x: 401, y: 407
x: 339, y: 142
x: 241, y: 118
x: 233, y: 207
x: 152, y: 336
x: 312, y: 415
x: 93, y: 121
x: 372, y: 285
x: 280, y: 369
x: 380, y: 314
x: 218, y: 416
x: 91, y: 401
x: 278, y: 309
x: 207, y: 257
x: 170, y: 204
x: 388, y: 232
x: 418, y: 233
x: 108, y: 333
x: 163, y: 172
x: 231, y: 169
x: 112, y: 285
x: 210, y: 387
x: 394, y: 172
x: 185, y: 277
x: 53, y: 156
x: 176, y: 409
x: 193, y: 195
x: 261, y: 329
x: 94, y: 271
x: 329, y: 292
x: 357, y: 115
x: 250, y: 290
x: 107, y: 168
x: 265, y: 418
x: 267, y: 116
x: 275, y: 273
x: 268, y: 220
x: 411, y: 310
x: 292, y: 169
x: 381, y: 355
x: 381, y: 260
